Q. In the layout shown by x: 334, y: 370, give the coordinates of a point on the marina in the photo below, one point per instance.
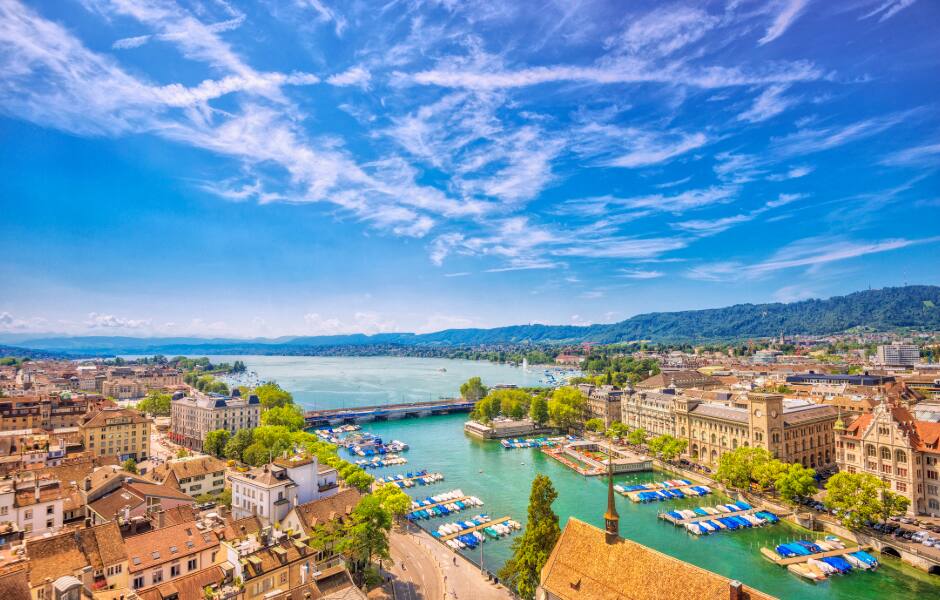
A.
x: 389, y: 460
x: 664, y: 490
x: 509, y: 444
x: 442, y: 505
x: 410, y: 479
x: 818, y: 560
x: 478, y: 523
x: 680, y: 517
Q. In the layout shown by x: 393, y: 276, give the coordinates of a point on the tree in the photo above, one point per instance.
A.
x: 271, y: 395
x: 637, y: 437
x: 666, y: 446
x: 893, y: 505
x: 215, y: 442
x: 393, y: 499
x: 359, y: 479
x: 155, y: 403
x: 256, y: 454
x: 473, y: 389
x: 795, y: 480
x: 130, y: 465
x: 237, y: 444
x: 538, y: 410
x: 566, y: 407
x: 182, y: 453
x: 736, y: 468
x: 530, y: 551
x: 290, y: 416
x: 856, y: 498
x: 765, y: 474
x: 368, y: 533
x: 594, y: 425
x: 617, y: 430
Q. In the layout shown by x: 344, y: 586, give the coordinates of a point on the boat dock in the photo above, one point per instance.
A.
x: 696, y: 519
x: 480, y: 527
x: 783, y: 562
x: 435, y: 477
x: 436, y: 504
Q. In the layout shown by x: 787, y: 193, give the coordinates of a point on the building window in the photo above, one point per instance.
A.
x: 157, y: 576
x: 900, y: 456
x: 901, y: 486
x: 138, y: 582
x: 885, y: 453
x: 174, y: 570
x: 191, y: 565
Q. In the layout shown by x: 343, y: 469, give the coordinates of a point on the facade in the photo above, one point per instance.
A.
x: 191, y: 418
x: 892, y: 445
x: 118, y: 433
x: 35, y: 505
x: 603, y: 402
x: 650, y: 410
x: 193, y: 475
x: 92, y: 558
x: 680, y: 380
x: 792, y: 430
x: 123, y: 389
x: 169, y: 553
x: 269, y: 492
x: 897, y: 355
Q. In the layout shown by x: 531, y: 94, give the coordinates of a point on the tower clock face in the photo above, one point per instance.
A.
x: 757, y: 413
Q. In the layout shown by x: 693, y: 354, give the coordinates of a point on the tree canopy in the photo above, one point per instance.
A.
x: 566, y: 407
x: 666, y: 446
x: 290, y: 416
x: 538, y: 410
x: 530, y: 551
x: 271, y: 395
x: 859, y: 498
x: 473, y: 389
x: 156, y: 403
x: 215, y: 442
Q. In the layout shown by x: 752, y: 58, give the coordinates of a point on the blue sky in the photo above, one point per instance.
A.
x: 312, y: 166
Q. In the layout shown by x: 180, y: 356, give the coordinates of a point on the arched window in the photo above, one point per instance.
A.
x: 776, y: 437
x: 900, y: 456
x: 885, y: 453
x: 734, y: 442
x: 933, y: 504
x: 713, y: 438
x: 870, y: 451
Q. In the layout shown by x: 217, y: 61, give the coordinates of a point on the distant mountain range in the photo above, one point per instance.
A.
x: 915, y: 306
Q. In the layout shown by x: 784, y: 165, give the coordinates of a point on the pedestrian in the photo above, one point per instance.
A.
x: 455, y: 561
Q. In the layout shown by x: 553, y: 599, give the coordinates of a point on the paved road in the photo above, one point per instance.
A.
x: 415, y: 573
x: 461, y: 579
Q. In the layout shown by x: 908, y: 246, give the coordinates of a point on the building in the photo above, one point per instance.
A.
x: 892, y: 445
x: 651, y: 411
x: 275, y: 566
x: 680, y: 380
x: 795, y: 431
x: 813, y: 378
x: 136, y: 498
x: 603, y: 402
x: 897, y: 355
x: 270, y: 491
x: 193, y: 475
x: 71, y: 565
x: 588, y: 563
x: 192, y: 417
x: 35, y: 505
x: 306, y: 517
x: 117, y: 432
x: 168, y: 553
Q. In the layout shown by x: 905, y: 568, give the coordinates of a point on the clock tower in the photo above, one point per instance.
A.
x: 765, y: 420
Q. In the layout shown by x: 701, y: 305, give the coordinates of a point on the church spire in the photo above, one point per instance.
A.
x: 611, y: 518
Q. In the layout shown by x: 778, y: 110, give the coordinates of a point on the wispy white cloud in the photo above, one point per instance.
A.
x: 640, y: 273
x: 357, y: 76
x: 107, y: 321
x: 810, y: 140
x: 769, y: 103
x: 792, y: 173
x: 325, y: 14
x: 888, y: 9
x: 927, y: 155
x: 788, y: 11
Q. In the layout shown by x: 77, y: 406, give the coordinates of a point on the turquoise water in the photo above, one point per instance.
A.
x: 502, y: 478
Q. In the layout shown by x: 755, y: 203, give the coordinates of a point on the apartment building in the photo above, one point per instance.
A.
x: 270, y: 491
x: 77, y: 563
x: 897, y: 355
x: 892, y: 445
x: 35, y: 505
x: 117, y: 432
x: 680, y: 380
x: 192, y: 417
x: 169, y: 553
x: 650, y: 410
x: 792, y: 430
x: 193, y: 475
x: 603, y: 402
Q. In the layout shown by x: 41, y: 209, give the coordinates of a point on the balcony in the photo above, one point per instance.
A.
x: 327, y: 487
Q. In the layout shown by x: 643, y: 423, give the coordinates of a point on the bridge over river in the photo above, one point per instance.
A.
x: 385, y: 412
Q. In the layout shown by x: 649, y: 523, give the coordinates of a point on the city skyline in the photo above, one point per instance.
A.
x: 306, y: 168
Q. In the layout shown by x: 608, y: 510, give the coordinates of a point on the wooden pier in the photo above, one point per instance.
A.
x: 451, y: 536
x: 436, y: 504
x: 775, y: 558
x: 697, y: 518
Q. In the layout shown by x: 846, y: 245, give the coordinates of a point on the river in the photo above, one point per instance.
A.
x: 501, y: 478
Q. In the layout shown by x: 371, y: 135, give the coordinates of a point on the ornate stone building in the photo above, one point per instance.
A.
x: 905, y: 453
x: 652, y: 411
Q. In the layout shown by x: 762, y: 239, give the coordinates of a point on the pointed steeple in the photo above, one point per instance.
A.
x: 611, y: 518
x: 839, y: 425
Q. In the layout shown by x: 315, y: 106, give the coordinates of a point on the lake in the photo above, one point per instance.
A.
x: 502, y: 478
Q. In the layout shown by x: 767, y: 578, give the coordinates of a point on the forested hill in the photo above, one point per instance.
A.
x: 885, y: 309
